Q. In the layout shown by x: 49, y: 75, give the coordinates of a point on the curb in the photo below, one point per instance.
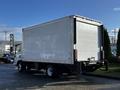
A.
x: 102, y: 76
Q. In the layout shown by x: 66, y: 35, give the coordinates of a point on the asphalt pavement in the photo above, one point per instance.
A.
x: 10, y: 79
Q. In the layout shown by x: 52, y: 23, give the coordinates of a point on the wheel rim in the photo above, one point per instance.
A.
x: 50, y: 71
x: 27, y: 68
x: 19, y: 67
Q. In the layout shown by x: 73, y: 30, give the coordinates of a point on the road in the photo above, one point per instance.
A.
x: 10, y: 79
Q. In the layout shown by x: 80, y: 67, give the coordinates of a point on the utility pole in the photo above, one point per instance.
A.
x: 12, y: 44
x: 115, y: 31
x: 114, y: 36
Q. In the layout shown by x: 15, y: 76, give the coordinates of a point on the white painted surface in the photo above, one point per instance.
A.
x: 53, y: 41
x: 7, y: 48
x: 50, y: 42
x: 88, y: 42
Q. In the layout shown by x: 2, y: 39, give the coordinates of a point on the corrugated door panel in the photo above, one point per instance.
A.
x: 87, y: 41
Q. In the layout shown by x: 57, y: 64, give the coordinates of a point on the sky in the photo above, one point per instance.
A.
x: 17, y: 14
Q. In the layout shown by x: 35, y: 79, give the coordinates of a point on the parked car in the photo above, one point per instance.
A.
x: 8, y: 58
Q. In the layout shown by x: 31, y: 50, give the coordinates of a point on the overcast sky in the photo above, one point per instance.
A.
x: 15, y: 14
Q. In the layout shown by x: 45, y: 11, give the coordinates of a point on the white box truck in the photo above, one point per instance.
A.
x: 69, y: 44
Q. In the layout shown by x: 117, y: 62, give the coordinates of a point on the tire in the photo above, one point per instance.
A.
x: 21, y: 67
x: 83, y: 68
x: 28, y: 68
x: 51, y: 72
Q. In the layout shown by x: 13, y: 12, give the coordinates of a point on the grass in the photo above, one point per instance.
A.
x: 113, y: 71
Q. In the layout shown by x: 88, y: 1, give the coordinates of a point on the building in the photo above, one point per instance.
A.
x: 5, y: 46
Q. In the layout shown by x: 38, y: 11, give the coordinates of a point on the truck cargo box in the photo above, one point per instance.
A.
x: 56, y: 41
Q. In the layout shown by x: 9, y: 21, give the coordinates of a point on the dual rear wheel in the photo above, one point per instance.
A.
x: 51, y: 71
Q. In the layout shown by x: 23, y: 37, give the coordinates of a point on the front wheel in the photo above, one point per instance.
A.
x: 20, y: 67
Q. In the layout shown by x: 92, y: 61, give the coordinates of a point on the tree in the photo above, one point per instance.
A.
x: 106, y: 44
x: 118, y: 44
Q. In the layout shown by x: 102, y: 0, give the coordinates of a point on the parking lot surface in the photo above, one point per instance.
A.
x: 10, y: 79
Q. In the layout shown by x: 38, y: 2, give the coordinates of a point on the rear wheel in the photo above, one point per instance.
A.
x: 51, y: 72
x: 28, y: 67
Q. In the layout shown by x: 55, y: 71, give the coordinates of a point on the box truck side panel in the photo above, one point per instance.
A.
x: 88, y: 42
x: 50, y: 42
